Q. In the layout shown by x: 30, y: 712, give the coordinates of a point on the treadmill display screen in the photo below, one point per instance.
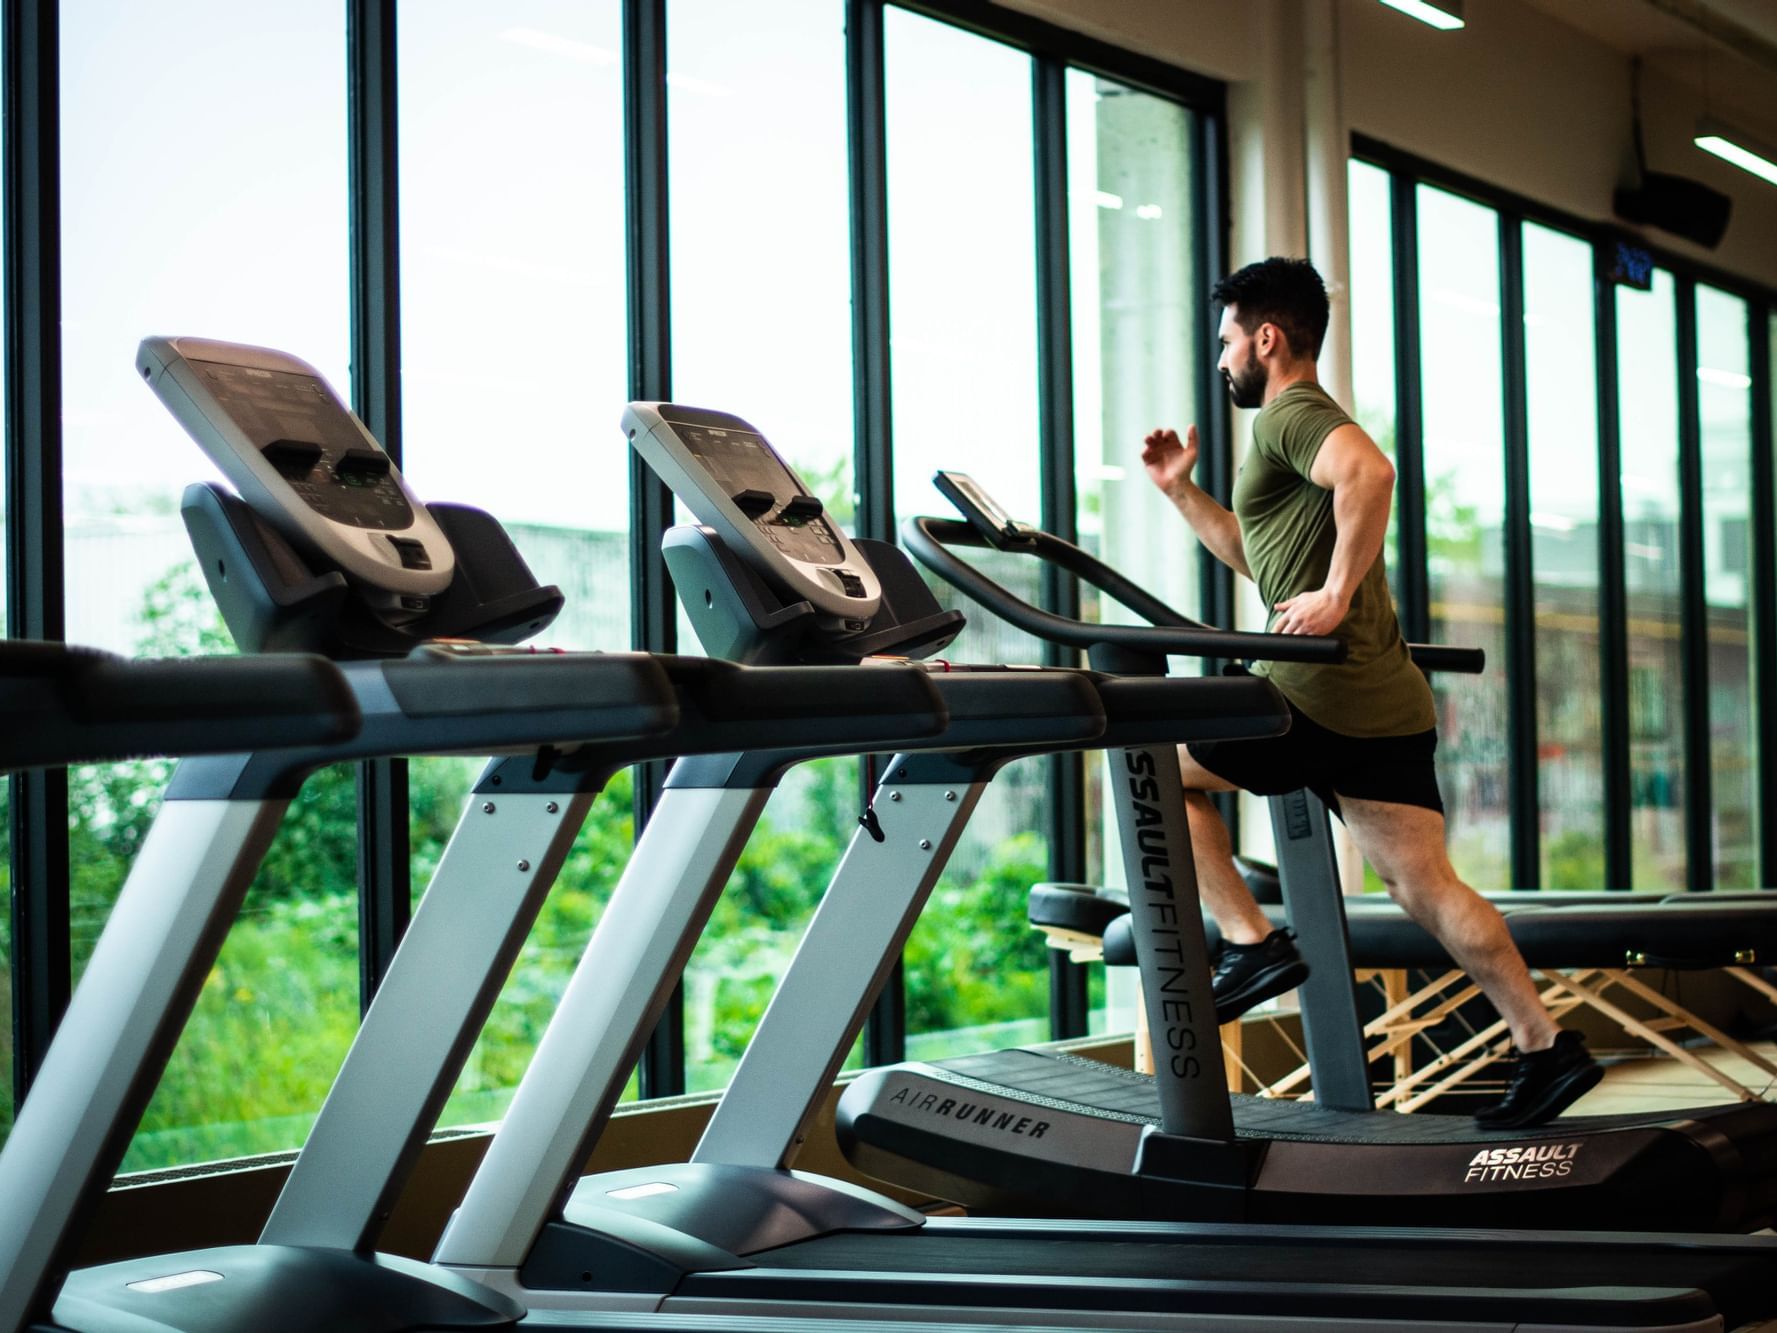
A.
x: 741, y: 461
x: 307, y: 436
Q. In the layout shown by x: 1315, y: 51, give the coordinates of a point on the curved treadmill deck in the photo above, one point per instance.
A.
x: 1057, y: 1134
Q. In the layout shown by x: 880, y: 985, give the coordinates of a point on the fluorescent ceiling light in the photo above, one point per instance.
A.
x: 1148, y: 212
x: 1552, y: 522
x: 1732, y: 146
x: 559, y: 45
x: 1725, y: 379
x: 1443, y: 15
x: 1108, y: 200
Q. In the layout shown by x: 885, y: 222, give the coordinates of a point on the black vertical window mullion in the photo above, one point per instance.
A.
x: 1209, y: 191
x: 1059, y: 592
x: 1209, y: 195
x: 1520, y: 577
x: 867, y: 156
x: 885, y: 1027
x: 1613, y: 600
x: 384, y: 888
x: 1694, y: 614
x: 1764, y: 628
x: 1414, y: 577
x: 653, y: 627
x: 41, y: 968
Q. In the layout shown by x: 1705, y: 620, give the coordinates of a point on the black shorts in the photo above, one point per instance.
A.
x: 1330, y: 764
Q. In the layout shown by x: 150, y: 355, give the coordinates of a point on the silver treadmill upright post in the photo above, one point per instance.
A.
x: 1331, y: 1027
x: 850, y: 947
x: 644, y: 936
x: 497, y: 870
x: 145, y: 974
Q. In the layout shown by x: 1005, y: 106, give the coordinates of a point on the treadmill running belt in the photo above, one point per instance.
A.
x: 1070, y: 1082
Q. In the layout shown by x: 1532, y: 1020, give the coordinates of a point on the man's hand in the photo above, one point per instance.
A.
x: 1169, y: 463
x: 1318, y: 612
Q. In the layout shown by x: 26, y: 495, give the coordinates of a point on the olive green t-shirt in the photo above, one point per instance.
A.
x: 1286, y: 527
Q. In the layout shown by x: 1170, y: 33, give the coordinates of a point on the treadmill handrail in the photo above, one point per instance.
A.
x: 928, y: 539
x: 66, y: 704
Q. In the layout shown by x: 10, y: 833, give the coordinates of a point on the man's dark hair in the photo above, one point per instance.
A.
x: 1284, y: 292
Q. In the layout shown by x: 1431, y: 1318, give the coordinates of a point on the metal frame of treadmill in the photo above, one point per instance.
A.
x: 161, y: 940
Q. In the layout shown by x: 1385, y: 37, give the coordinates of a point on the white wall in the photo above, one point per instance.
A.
x: 1517, y: 99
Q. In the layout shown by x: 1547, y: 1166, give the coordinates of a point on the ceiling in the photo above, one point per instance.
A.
x: 1728, y: 46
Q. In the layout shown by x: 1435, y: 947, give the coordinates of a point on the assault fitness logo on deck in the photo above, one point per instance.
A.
x: 970, y: 1112
x: 1529, y: 1161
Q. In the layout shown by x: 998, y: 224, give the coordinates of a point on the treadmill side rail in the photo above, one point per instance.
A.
x: 145, y: 974
x: 635, y: 957
x: 847, y: 952
x: 494, y: 875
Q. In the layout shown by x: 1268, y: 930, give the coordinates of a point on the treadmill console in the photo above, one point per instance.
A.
x: 731, y: 478
x: 301, y: 460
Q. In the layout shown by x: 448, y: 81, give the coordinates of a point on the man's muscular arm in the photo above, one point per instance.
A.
x: 1362, y: 482
x: 1169, y: 463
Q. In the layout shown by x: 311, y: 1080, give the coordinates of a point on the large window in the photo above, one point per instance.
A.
x: 962, y: 300
x: 1464, y: 434
x: 509, y: 294
x: 1647, y: 375
x: 514, y: 375
x: 1561, y: 416
x: 239, y: 233
x: 1730, y: 580
x: 1632, y: 458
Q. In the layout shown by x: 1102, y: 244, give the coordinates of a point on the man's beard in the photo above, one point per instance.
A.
x: 1247, y: 389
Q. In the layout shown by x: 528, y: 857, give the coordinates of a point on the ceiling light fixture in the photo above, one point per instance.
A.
x: 1730, y: 145
x: 1442, y: 15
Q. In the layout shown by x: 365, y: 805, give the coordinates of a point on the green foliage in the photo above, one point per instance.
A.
x: 1576, y: 861
x: 973, y: 958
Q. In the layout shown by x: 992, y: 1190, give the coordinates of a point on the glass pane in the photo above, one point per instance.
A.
x: 1724, y: 394
x: 1138, y: 337
x: 776, y: 351
x: 745, y: 339
x: 512, y: 250
x: 1647, y: 359
x: 962, y: 291
x: 1459, y: 315
x: 1562, y: 415
x: 1372, y: 320
x: 240, y: 236
x: 764, y: 909
x: 514, y: 349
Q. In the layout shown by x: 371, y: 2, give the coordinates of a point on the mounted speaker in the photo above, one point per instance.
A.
x: 1676, y: 204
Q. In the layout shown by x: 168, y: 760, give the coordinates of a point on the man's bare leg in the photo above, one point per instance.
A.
x: 1224, y: 893
x: 1405, y: 843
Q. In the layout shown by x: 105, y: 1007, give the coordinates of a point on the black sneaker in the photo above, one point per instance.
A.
x: 1245, y: 974
x: 1544, y: 1084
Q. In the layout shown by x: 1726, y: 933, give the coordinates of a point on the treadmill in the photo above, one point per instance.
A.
x: 738, y: 1233
x: 1332, y: 1160
x: 419, y: 605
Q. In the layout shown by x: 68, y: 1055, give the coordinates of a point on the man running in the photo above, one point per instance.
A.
x: 1310, y: 513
